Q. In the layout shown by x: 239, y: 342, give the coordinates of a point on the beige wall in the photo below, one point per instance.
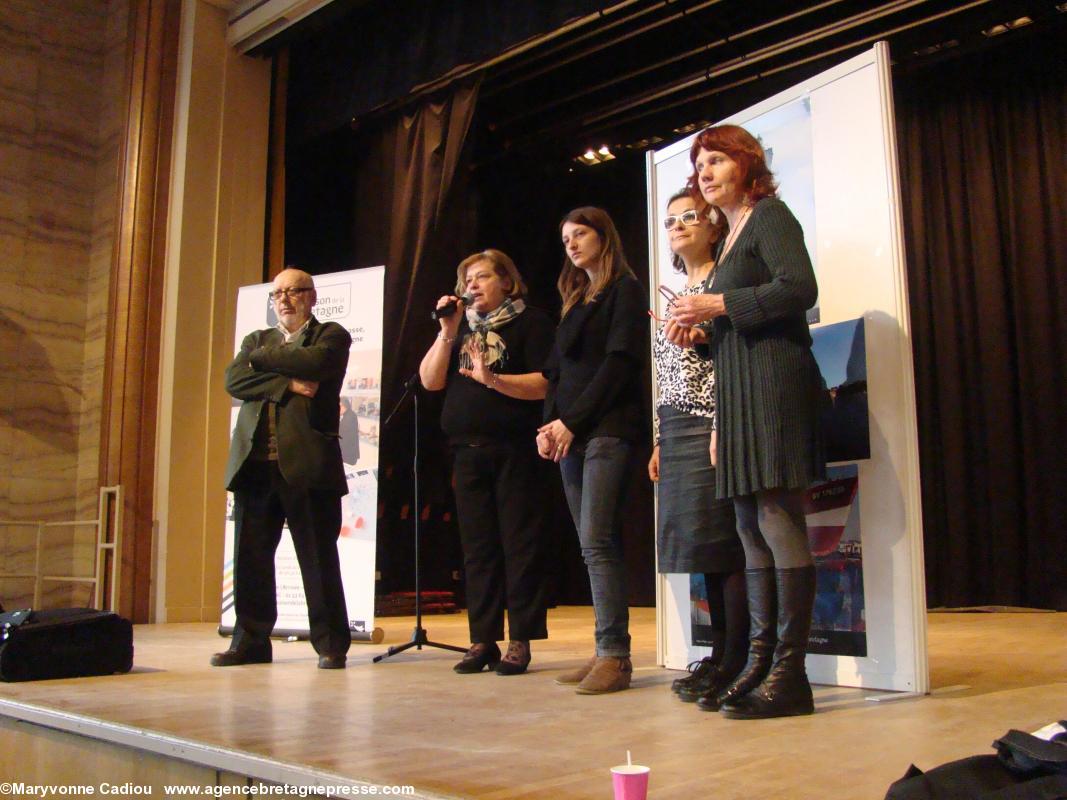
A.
x: 215, y: 245
x: 61, y: 114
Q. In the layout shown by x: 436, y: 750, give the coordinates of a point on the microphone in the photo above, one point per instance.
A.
x: 448, y: 309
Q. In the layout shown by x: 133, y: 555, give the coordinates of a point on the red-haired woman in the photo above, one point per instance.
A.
x: 594, y: 419
x: 767, y: 445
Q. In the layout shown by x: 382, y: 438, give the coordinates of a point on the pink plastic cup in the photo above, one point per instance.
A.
x: 630, y: 782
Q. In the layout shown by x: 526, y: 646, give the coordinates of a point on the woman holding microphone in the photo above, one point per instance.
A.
x: 488, y: 357
x: 695, y: 531
x: 593, y: 414
x: 768, y: 445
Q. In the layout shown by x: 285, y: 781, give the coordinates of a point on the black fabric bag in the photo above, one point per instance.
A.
x: 63, y: 643
x: 1025, y: 768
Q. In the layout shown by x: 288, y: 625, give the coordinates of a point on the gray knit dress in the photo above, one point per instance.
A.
x: 768, y: 392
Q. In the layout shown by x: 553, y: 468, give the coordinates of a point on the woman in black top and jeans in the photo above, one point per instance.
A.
x: 594, y: 420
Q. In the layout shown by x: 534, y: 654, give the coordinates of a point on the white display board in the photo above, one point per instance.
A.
x: 834, y: 153
x: 354, y: 299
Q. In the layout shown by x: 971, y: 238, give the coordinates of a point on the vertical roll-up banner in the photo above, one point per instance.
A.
x: 354, y: 299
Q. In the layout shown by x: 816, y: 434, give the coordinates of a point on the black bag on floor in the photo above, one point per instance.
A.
x: 63, y: 643
x: 1025, y: 768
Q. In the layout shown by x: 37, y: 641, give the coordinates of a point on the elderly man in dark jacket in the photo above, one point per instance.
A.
x: 285, y: 465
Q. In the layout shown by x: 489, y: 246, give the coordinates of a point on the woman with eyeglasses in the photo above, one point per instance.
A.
x: 695, y: 532
x: 488, y: 358
x: 768, y: 446
x: 594, y: 421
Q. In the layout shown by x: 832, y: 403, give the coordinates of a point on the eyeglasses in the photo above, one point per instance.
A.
x: 670, y: 295
x: 689, y: 218
x: 292, y: 292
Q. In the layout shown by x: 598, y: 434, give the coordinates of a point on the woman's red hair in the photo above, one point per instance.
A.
x: 740, y: 145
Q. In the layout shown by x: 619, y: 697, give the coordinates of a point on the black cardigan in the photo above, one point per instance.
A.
x: 594, y: 370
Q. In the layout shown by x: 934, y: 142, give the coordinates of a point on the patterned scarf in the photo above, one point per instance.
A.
x: 483, y: 323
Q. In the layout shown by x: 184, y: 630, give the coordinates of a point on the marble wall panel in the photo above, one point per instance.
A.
x: 68, y: 551
x: 41, y: 497
x: 19, y: 543
x: 16, y: 593
x: 66, y: 595
x: 41, y: 339
x: 105, y: 206
x: 20, y: 44
x: 44, y: 436
x: 8, y: 384
x: 62, y: 113
x: 87, y: 497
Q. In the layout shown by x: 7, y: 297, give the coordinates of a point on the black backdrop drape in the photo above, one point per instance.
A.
x: 982, y: 151
x: 390, y: 194
x: 351, y: 66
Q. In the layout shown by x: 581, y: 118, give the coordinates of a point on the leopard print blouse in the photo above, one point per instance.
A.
x: 685, y: 381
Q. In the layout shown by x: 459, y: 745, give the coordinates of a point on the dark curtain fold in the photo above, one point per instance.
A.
x: 410, y: 177
x: 983, y: 166
x: 393, y: 193
x: 404, y: 195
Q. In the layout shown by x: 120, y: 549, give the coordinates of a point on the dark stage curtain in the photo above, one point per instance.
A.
x: 376, y: 56
x: 403, y: 195
x: 984, y: 174
x: 391, y: 193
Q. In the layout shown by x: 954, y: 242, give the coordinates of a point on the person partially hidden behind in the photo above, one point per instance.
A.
x: 285, y: 466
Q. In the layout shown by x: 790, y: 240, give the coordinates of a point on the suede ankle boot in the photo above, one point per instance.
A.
x: 785, y: 692
x: 573, y: 677
x: 763, y: 616
x: 609, y: 674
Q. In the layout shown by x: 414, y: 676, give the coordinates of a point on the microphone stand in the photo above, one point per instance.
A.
x: 419, y: 639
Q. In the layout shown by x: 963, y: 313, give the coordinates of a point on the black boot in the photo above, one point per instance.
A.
x: 728, y: 602
x: 695, y: 683
x: 698, y: 673
x: 762, y: 611
x: 785, y: 692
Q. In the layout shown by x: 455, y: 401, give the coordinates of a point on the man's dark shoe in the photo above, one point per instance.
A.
x: 245, y: 655
x: 332, y: 662
x: 478, y: 657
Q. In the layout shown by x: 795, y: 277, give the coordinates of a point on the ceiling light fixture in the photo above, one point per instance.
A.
x: 1004, y: 27
x: 936, y: 48
x: 591, y: 156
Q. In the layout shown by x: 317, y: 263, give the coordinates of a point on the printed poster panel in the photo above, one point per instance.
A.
x: 699, y: 611
x: 840, y: 351
x: 832, y: 512
x: 838, y: 624
x: 354, y: 299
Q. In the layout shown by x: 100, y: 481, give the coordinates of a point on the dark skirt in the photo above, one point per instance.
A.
x: 695, y: 532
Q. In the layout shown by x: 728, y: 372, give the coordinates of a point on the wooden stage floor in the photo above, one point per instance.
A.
x: 411, y: 720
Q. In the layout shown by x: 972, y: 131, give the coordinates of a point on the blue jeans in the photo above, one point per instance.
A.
x: 594, y: 479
